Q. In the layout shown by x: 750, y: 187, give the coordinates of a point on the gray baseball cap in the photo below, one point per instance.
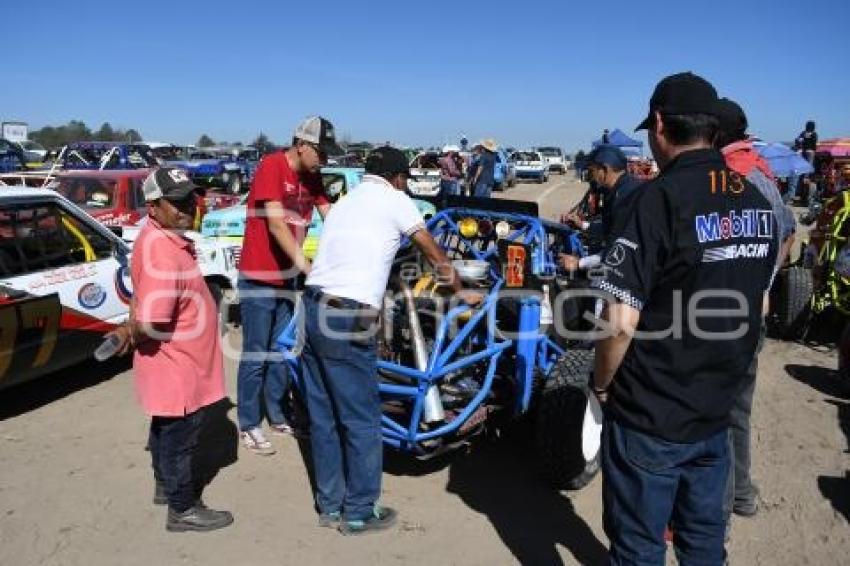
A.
x: 169, y: 183
x: 319, y: 131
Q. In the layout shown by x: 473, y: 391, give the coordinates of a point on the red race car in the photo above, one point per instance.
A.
x: 113, y: 197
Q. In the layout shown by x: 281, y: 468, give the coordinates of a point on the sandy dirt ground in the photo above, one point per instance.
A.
x: 76, y: 486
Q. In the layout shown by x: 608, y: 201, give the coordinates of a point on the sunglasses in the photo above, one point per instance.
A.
x: 322, y: 155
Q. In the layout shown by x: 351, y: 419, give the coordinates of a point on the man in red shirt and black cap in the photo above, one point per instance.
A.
x: 286, y: 188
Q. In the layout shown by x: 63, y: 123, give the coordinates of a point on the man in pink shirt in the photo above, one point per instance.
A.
x: 178, y: 362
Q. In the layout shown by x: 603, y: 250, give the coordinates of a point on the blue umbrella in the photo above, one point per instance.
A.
x: 784, y: 161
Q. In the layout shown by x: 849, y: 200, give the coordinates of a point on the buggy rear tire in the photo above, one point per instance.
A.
x: 796, y: 287
x: 568, y: 427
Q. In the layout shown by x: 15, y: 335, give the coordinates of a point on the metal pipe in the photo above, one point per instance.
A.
x: 432, y: 409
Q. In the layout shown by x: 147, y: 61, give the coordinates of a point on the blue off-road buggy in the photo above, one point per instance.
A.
x: 448, y: 372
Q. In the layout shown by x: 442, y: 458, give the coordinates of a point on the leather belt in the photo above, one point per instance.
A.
x: 335, y: 302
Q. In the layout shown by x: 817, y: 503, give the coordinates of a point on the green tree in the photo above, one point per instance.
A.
x: 132, y: 135
x: 54, y: 137
x: 263, y: 144
x: 105, y: 133
x: 205, y: 141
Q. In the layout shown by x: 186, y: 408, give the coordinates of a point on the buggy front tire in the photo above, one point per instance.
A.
x: 568, y: 427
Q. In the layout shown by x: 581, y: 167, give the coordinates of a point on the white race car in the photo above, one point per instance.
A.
x: 64, y: 282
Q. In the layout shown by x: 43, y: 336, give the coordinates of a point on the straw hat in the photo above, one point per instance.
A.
x: 489, y: 144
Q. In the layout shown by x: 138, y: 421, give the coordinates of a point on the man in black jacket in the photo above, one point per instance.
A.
x: 686, y: 277
x: 607, y: 168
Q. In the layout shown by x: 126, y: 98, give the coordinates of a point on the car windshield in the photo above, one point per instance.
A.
x: 202, y: 155
x: 88, y: 193
x: 526, y: 156
x: 550, y: 151
x: 41, y: 236
x: 426, y: 161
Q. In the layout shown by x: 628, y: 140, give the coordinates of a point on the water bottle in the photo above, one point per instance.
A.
x: 107, y: 348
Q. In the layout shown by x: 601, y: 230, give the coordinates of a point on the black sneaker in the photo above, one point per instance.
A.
x: 159, y: 496
x: 197, y: 518
x: 748, y: 507
x: 382, y: 518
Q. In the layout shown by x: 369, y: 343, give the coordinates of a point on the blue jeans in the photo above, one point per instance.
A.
x: 266, y: 311
x: 449, y: 187
x: 341, y: 390
x: 791, y: 194
x: 649, y: 483
x: 482, y: 190
x: 173, y: 442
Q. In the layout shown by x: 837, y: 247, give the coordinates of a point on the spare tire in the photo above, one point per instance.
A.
x: 568, y: 427
x: 794, y: 300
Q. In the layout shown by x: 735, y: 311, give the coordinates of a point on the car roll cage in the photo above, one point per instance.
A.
x: 535, y: 353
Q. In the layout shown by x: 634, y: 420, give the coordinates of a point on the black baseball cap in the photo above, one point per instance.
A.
x: 320, y: 132
x: 733, y: 121
x: 387, y: 161
x: 170, y: 183
x: 682, y: 93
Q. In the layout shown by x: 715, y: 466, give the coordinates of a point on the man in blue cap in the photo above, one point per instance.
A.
x: 607, y: 169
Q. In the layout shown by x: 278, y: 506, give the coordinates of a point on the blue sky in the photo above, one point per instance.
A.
x: 526, y: 73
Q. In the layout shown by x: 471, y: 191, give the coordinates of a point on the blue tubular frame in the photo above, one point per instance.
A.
x: 534, y: 351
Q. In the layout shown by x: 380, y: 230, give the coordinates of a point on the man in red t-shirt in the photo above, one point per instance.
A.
x: 286, y: 188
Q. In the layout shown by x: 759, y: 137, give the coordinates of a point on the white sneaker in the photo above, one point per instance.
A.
x: 255, y: 441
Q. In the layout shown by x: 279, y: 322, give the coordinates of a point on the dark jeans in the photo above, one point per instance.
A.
x: 266, y: 311
x: 173, y: 442
x: 740, y: 488
x: 482, y: 190
x: 449, y: 187
x: 649, y: 483
x: 341, y: 388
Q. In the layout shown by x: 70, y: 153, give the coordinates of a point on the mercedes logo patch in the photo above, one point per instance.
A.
x: 616, y: 255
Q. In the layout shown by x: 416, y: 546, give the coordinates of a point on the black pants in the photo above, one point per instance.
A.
x: 173, y: 442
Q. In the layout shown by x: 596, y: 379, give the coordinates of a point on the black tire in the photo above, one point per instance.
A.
x: 234, y: 184
x: 793, y: 308
x: 560, y: 423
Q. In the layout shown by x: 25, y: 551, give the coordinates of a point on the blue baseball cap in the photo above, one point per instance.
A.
x: 610, y: 155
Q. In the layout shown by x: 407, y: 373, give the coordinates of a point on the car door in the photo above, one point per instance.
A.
x: 64, y: 282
